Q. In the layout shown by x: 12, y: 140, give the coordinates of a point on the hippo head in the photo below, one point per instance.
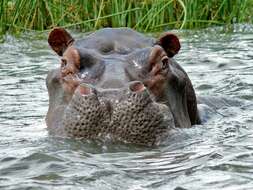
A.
x: 117, y: 83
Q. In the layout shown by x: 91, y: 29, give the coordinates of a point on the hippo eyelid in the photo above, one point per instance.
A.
x: 165, y: 62
x: 63, y: 62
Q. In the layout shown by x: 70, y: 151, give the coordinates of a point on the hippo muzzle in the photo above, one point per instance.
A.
x: 133, y: 117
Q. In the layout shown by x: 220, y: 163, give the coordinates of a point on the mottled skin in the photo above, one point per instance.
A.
x: 118, y: 83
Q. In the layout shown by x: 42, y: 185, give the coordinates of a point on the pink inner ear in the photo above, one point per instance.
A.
x: 170, y: 44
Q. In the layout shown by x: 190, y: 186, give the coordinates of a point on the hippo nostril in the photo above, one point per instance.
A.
x: 84, y: 89
x: 137, y: 86
x: 138, y: 95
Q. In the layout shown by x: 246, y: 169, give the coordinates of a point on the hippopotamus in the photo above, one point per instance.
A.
x: 119, y: 84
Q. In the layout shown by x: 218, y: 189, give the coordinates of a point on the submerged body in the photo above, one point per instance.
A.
x: 120, y: 83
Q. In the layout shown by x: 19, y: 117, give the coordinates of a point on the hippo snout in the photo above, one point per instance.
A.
x: 138, y: 119
x: 134, y: 117
x: 85, y: 116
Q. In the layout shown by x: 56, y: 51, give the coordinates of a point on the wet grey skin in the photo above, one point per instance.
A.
x: 118, y: 84
x: 134, y: 117
x: 85, y: 116
x: 138, y: 119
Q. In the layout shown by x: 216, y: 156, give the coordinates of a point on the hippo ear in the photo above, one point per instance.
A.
x: 170, y: 43
x: 59, y: 39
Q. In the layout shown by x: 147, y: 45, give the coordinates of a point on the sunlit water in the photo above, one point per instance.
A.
x: 215, y: 155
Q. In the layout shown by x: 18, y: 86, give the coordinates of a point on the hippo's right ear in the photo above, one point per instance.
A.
x: 59, y: 39
x: 170, y: 43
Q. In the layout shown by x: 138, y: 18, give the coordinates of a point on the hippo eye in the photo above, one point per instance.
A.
x: 165, y: 63
x: 63, y: 62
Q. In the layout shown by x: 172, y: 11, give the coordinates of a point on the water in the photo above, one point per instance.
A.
x: 215, y: 155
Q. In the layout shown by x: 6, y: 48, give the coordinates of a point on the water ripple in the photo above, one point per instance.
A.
x: 215, y: 155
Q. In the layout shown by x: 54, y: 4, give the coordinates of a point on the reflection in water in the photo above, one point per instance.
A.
x: 215, y: 155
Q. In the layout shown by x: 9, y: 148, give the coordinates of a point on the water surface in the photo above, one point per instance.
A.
x: 215, y: 155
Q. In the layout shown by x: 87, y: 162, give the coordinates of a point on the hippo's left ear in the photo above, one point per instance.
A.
x: 59, y: 39
x: 170, y: 43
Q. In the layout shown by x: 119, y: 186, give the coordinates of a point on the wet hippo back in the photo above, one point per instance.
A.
x: 115, y: 40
